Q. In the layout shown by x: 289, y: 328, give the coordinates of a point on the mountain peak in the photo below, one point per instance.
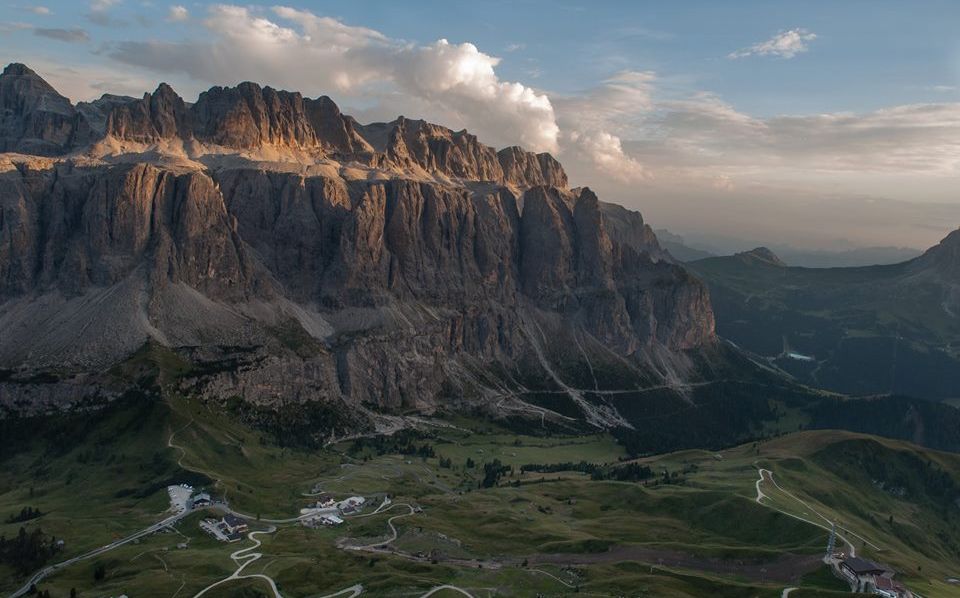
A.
x: 165, y: 89
x: 18, y: 69
x: 952, y: 240
x: 37, y: 119
x: 943, y: 257
x: 763, y: 254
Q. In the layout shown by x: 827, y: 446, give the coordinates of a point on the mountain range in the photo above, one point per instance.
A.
x: 373, y: 264
x: 264, y: 251
x: 687, y: 251
x: 862, y: 331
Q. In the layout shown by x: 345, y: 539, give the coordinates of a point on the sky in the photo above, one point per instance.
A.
x: 818, y: 124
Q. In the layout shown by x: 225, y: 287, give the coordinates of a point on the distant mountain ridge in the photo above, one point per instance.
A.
x: 682, y: 250
x: 869, y: 330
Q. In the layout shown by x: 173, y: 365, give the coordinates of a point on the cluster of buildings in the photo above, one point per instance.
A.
x: 321, y: 519
x: 228, y: 528
x: 328, y: 511
x: 868, y: 577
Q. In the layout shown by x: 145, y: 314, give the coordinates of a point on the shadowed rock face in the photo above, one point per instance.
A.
x: 34, y: 118
x: 942, y: 259
x: 160, y: 115
x: 70, y: 229
x: 391, y: 291
x: 335, y: 131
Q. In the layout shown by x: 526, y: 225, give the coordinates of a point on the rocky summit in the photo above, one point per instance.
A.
x: 389, y: 266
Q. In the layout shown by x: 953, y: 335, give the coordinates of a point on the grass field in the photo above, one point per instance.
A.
x: 693, y: 528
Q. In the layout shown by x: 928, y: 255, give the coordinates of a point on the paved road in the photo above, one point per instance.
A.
x: 242, y: 558
x: 354, y: 591
x: 46, y: 571
x: 393, y: 530
x: 786, y: 592
x: 852, y: 550
x: 451, y: 588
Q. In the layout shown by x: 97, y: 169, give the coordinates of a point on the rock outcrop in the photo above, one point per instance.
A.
x: 942, y: 260
x: 526, y: 169
x: 157, y: 116
x: 628, y: 228
x: 762, y: 255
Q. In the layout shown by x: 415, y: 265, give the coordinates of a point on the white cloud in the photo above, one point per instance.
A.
x: 589, y: 119
x: 462, y: 79
x: 297, y: 49
x: 178, y: 13
x: 785, y: 44
x: 39, y: 10
x: 604, y: 152
x: 101, y: 5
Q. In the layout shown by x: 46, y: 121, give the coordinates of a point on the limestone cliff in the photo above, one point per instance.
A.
x: 426, y: 279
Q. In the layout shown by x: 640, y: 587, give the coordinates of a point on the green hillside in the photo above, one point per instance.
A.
x: 566, y: 513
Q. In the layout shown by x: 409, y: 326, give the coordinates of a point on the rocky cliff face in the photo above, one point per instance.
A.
x: 526, y: 169
x: 34, y: 118
x: 394, y: 290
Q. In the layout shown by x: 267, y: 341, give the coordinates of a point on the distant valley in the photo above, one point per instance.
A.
x: 863, y: 331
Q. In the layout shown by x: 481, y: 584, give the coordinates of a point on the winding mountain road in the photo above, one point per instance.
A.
x: 246, y: 556
x: 393, y: 530
x: 447, y: 587
x: 767, y: 475
x: 46, y: 571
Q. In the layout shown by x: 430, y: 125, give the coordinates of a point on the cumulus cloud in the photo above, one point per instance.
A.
x: 604, y: 152
x: 178, y: 13
x: 461, y: 79
x: 785, y: 44
x: 71, y: 36
x: 297, y: 49
x: 39, y: 10
x: 588, y: 120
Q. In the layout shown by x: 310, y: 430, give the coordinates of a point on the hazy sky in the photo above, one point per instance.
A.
x: 819, y: 124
